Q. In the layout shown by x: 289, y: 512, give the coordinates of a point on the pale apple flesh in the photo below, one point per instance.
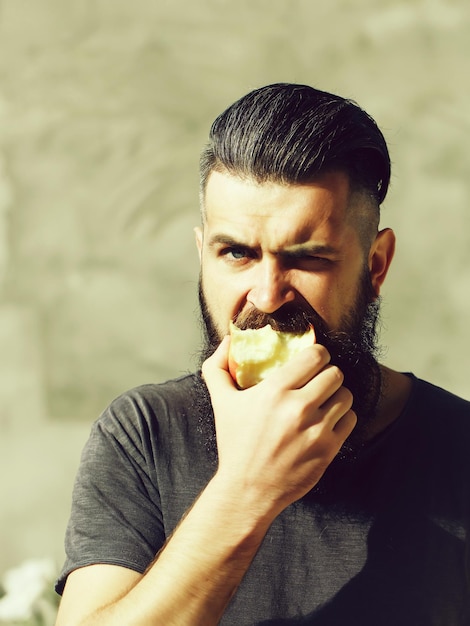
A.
x: 255, y: 353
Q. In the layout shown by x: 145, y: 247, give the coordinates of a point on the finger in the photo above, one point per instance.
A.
x: 324, y: 385
x: 301, y: 368
x: 215, y: 368
x: 336, y: 406
x: 219, y: 358
x: 345, y: 425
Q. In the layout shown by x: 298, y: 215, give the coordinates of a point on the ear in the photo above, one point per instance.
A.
x: 199, y: 239
x: 380, y: 256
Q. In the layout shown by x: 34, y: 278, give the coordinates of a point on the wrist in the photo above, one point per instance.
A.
x: 242, y: 505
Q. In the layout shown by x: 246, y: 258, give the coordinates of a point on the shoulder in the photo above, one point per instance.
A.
x: 176, y: 387
x: 176, y: 391
x: 149, y: 410
x: 434, y: 398
x: 440, y: 413
x: 148, y: 398
x: 153, y: 426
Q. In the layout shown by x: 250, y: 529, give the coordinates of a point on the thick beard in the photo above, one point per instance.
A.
x: 353, y: 348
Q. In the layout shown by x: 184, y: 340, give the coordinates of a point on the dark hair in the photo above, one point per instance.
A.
x: 293, y: 133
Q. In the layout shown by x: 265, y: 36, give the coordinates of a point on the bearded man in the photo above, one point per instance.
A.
x: 333, y: 492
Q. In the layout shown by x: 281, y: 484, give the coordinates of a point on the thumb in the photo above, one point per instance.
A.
x: 215, y: 369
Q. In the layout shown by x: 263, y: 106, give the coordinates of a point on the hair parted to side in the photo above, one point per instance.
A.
x: 292, y: 133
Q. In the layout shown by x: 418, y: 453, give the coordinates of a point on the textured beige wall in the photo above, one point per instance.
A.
x: 104, y: 105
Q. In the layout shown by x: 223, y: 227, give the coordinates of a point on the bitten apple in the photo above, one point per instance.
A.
x: 255, y: 353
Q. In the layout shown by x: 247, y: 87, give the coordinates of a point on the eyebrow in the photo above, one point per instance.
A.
x: 309, y: 248
x: 225, y: 240
x: 294, y: 251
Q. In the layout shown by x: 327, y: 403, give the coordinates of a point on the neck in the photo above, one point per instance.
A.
x: 396, y: 389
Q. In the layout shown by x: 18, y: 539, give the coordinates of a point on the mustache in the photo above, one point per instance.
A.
x: 294, y: 318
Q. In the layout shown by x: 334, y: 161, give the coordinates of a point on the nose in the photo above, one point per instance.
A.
x: 271, y: 288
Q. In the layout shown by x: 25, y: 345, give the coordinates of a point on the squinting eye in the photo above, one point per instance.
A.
x: 309, y: 263
x: 318, y: 261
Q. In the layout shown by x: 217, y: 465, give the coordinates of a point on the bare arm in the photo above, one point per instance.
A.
x: 275, y: 441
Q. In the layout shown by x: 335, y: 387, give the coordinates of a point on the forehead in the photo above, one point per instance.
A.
x: 281, y: 213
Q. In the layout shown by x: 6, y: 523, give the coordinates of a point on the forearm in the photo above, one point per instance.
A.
x: 194, y: 577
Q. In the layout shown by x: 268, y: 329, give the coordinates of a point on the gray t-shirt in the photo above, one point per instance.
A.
x: 383, y: 541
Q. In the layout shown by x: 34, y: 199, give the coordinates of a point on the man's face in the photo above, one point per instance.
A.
x: 289, y: 254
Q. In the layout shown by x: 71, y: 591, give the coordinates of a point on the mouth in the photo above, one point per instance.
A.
x: 295, y: 319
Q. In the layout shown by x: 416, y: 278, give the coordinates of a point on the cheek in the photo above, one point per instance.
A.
x: 319, y: 291
x: 222, y: 300
x: 331, y: 297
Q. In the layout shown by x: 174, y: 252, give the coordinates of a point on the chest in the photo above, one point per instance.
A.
x: 329, y: 567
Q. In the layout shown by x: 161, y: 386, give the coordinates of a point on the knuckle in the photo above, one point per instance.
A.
x: 317, y: 356
x: 346, y: 425
x: 336, y: 374
x: 352, y: 418
x: 322, y: 353
x: 346, y: 396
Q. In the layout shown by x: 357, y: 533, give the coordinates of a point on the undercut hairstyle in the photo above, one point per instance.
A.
x: 293, y: 134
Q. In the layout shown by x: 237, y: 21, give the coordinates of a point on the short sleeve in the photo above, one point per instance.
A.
x: 116, y: 515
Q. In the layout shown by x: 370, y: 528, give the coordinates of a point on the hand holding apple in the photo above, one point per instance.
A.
x: 276, y: 438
